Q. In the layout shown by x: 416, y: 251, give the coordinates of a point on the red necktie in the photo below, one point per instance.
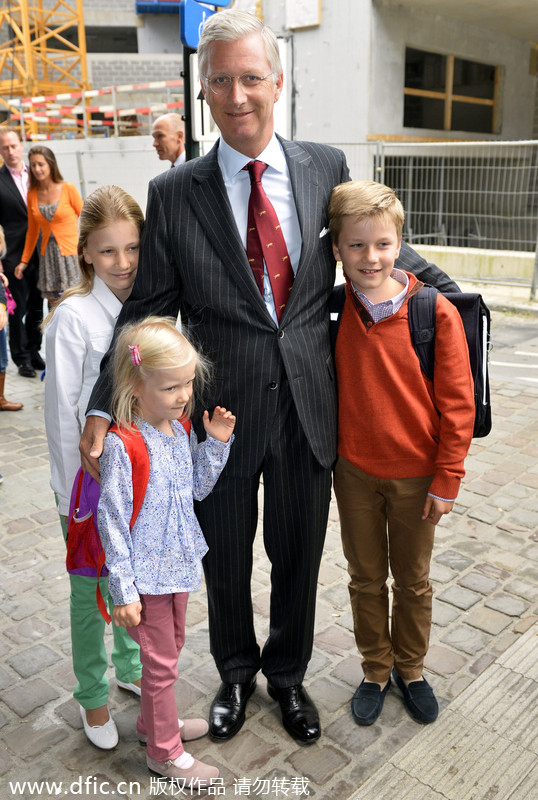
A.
x: 266, y: 242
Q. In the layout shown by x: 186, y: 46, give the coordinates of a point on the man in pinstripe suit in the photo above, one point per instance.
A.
x: 277, y: 377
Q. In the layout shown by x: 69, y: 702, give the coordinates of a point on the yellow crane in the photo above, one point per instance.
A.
x: 37, y: 58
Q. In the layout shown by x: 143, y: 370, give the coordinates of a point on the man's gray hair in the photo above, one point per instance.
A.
x: 231, y: 25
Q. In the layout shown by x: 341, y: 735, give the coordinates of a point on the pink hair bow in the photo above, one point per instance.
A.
x: 135, y: 355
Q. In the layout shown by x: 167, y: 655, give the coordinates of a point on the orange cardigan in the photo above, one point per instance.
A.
x: 392, y: 422
x: 64, y: 224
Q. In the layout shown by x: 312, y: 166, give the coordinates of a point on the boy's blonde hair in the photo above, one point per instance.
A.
x: 364, y: 199
x: 103, y: 207
x: 159, y: 345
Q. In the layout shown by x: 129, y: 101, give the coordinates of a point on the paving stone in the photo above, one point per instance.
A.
x: 478, y: 583
x: 524, y: 517
x: 486, y: 513
x: 20, y: 525
x: 349, y: 670
x: 507, y: 605
x: 487, y: 620
x: 321, y: 764
x: 523, y: 589
x: 21, y: 608
x: 467, y: 639
x: 249, y: 750
x: 6, y: 762
x: 481, y: 488
x: 496, y: 572
x: 30, y: 742
x: 440, y: 573
x: 34, y: 659
x: 335, y: 640
x: 31, y: 695
x: 482, y: 663
x: 523, y: 625
x: 454, y: 560
x: 459, y: 597
x: 443, y: 614
x: 329, y: 694
x: 443, y: 661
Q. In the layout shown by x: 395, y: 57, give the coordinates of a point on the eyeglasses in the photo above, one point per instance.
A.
x: 223, y: 83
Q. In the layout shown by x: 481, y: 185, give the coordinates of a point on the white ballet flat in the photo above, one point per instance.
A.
x: 103, y: 736
x: 130, y: 687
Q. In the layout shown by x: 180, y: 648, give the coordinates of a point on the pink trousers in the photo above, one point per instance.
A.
x: 161, y: 635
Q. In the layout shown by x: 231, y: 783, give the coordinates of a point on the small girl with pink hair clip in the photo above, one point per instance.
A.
x: 155, y: 564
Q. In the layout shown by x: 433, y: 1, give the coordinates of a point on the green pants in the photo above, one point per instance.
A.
x: 89, y: 654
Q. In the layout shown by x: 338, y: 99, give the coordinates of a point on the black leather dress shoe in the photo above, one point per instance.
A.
x: 227, y: 712
x: 26, y: 370
x: 37, y: 362
x: 299, y: 714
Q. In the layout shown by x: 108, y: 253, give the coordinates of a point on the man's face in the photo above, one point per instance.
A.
x: 168, y: 143
x: 243, y: 115
x: 11, y: 150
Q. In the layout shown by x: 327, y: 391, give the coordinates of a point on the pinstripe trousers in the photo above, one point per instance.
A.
x: 295, y: 509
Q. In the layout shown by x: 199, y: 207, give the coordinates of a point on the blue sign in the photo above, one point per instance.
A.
x: 192, y: 18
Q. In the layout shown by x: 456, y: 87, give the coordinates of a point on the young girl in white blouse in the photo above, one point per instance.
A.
x: 153, y: 566
x: 77, y: 334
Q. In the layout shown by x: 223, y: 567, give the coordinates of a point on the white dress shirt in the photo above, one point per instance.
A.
x: 76, y: 340
x: 277, y: 185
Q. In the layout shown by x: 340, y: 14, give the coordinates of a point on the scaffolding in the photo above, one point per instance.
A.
x: 38, y: 58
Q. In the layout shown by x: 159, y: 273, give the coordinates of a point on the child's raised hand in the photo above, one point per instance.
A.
x: 128, y: 616
x: 221, y: 425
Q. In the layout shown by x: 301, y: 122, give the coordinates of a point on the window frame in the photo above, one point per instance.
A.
x: 449, y: 98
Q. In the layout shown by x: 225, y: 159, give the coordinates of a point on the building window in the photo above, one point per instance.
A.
x: 449, y: 93
x: 109, y: 39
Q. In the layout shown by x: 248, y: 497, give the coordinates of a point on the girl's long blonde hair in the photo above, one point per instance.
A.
x: 159, y: 345
x: 103, y: 207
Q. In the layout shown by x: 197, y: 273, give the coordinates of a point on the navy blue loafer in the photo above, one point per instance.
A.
x: 367, y: 702
x: 419, y: 699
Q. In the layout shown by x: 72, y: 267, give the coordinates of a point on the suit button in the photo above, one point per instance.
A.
x: 281, y: 334
x: 273, y: 385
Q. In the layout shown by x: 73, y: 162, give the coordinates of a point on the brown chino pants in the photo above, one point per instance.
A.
x: 381, y: 524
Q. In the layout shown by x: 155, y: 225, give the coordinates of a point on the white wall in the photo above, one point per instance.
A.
x: 349, y: 71
x: 159, y: 33
x: 126, y: 162
x: 394, y: 28
x: 331, y: 69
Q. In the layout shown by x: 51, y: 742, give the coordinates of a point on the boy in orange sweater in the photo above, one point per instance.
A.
x: 402, y: 441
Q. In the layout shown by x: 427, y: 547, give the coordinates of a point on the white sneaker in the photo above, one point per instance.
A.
x: 130, y: 687
x: 103, y: 736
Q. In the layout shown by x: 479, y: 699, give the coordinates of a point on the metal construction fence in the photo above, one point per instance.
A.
x: 460, y: 194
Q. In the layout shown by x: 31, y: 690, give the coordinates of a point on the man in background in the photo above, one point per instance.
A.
x: 168, y: 133
x: 24, y: 324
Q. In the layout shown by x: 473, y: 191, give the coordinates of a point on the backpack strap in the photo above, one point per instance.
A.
x: 138, y: 455
x: 422, y: 310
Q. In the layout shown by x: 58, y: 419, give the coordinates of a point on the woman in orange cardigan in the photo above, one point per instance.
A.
x: 53, y: 210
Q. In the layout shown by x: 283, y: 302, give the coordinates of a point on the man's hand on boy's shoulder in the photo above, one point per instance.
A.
x: 435, y: 508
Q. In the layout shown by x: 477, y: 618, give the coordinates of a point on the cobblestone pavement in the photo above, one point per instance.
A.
x: 485, y: 572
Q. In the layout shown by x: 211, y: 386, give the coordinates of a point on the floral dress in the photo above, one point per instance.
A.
x: 56, y: 272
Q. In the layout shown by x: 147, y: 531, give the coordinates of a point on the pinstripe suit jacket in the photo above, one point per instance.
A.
x: 192, y: 259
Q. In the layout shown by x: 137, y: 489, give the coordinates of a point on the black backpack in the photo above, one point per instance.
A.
x: 422, y: 307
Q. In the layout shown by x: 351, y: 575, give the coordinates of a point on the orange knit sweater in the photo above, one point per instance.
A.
x: 392, y: 421
x: 64, y: 224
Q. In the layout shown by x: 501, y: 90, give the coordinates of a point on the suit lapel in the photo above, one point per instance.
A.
x: 209, y: 201
x: 304, y: 183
